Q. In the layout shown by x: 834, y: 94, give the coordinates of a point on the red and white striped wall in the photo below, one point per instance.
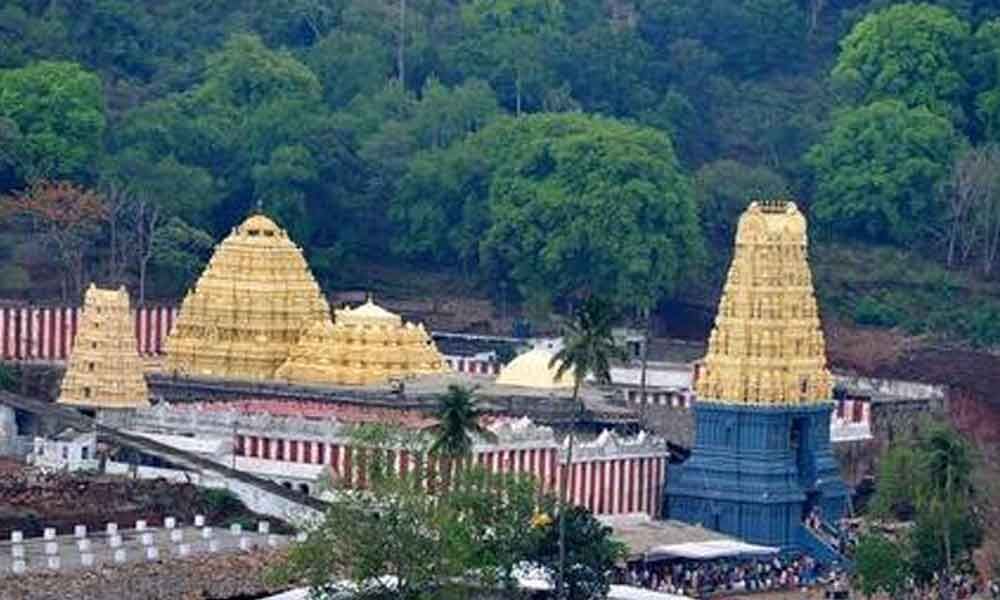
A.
x: 608, y: 485
x: 47, y: 333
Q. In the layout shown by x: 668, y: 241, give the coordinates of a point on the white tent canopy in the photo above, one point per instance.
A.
x: 628, y: 592
x: 709, y: 550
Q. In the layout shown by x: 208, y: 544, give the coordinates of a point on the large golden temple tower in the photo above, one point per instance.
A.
x: 104, y: 369
x: 767, y: 346
x: 249, y: 307
x: 364, y: 345
x: 762, y: 459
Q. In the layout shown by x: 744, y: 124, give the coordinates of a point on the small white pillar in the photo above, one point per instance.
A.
x: 83, y: 545
x: 183, y: 550
x: 51, y: 548
x: 120, y: 555
x: 152, y: 553
x: 199, y: 520
x: 19, y: 567
x: 80, y: 531
x: 213, y: 545
x: 115, y: 541
x: 112, y: 528
x: 16, y: 537
x: 50, y: 533
x: 17, y: 551
x: 263, y: 528
x: 272, y: 541
x: 244, y: 543
x: 87, y: 560
x: 140, y: 525
x: 147, y: 539
x: 177, y: 535
x: 236, y: 529
x: 206, y: 533
x: 169, y: 523
x: 53, y: 562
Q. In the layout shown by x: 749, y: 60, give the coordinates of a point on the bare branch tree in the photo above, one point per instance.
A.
x: 68, y: 217
x: 147, y: 220
x: 121, y: 206
x: 964, y: 193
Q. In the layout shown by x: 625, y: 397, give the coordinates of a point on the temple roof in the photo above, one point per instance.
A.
x: 532, y: 370
x: 767, y: 346
x: 365, y: 345
x: 368, y: 313
x: 248, y: 308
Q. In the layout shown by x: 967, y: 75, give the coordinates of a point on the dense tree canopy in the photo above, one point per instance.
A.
x: 878, y: 170
x: 52, y: 116
x: 381, y: 130
x: 911, y: 52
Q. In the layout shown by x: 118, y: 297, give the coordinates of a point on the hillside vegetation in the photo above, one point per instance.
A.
x: 538, y: 150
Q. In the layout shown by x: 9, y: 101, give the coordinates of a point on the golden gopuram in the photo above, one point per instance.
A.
x: 364, y: 345
x: 104, y: 369
x: 767, y: 346
x: 248, y: 309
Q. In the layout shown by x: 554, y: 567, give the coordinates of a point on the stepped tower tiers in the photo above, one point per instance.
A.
x: 248, y: 308
x: 767, y: 346
x: 365, y: 345
x: 104, y: 369
x: 762, y: 459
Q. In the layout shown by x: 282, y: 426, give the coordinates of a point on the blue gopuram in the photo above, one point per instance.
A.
x: 762, y: 459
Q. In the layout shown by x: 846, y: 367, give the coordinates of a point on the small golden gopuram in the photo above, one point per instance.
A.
x: 248, y: 309
x: 767, y: 347
x: 104, y: 369
x: 365, y: 345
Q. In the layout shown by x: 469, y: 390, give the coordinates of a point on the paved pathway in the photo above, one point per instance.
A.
x: 67, y: 553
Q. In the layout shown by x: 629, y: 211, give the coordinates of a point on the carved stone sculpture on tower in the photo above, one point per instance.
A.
x: 248, y: 309
x: 104, y: 369
x: 365, y: 345
x: 767, y: 346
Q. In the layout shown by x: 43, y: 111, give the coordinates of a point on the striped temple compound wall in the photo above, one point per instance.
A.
x: 609, y: 475
x: 46, y: 333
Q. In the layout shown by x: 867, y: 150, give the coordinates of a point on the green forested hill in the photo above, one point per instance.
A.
x: 541, y: 148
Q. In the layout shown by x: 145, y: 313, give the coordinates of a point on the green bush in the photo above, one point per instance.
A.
x: 220, y: 501
x: 874, y: 311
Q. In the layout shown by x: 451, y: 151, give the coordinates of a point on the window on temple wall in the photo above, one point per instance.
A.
x: 280, y: 450
x: 86, y: 392
x: 90, y: 366
x: 858, y: 411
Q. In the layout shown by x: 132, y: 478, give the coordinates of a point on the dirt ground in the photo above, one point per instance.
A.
x: 31, y: 500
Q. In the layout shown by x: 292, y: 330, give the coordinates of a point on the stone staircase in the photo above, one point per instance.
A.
x: 819, y: 548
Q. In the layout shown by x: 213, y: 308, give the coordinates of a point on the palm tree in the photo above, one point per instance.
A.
x: 588, y: 347
x: 948, y: 464
x: 457, y: 420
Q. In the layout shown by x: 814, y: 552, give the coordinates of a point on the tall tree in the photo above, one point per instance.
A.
x: 935, y: 490
x: 507, y: 38
x: 589, y: 347
x: 581, y: 205
x: 458, y: 420
x: 68, y: 217
x: 915, y: 53
x: 878, y: 169
x: 58, y: 111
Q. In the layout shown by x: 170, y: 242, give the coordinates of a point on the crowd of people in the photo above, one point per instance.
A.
x: 701, y: 579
